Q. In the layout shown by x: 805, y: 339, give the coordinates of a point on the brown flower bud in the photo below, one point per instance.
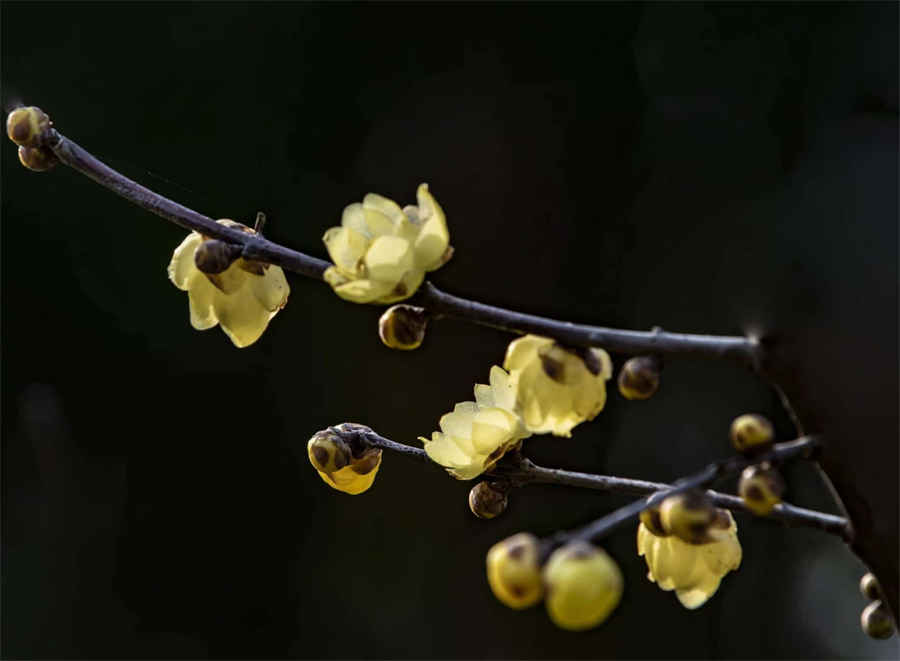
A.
x: 876, y: 621
x: 403, y: 327
x: 214, y: 256
x: 24, y: 126
x: 639, y: 377
x: 690, y: 516
x: 869, y: 587
x: 487, y: 500
x: 751, y: 432
x: 39, y: 159
x: 761, y: 488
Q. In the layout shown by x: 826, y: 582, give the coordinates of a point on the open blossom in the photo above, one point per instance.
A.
x: 694, y: 571
x: 557, y: 388
x: 477, y: 434
x: 381, y: 252
x: 242, y: 299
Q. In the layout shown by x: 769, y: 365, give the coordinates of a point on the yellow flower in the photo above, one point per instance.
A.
x: 583, y: 586
x: 381, y: 252
x: 242, y: 299
x: 339, y: 467
x: 557, y: 388
x: 694, y: 571
x: 476, y: 434
x: 514, y: 571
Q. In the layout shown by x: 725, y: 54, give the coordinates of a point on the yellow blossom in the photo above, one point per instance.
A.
x: 341, y: 468
x: 583, y: 586
x: 242, y: 299
x: 381, y: 252
x: 557, y: 388
x: 476, y: 434
x: 694, y: 571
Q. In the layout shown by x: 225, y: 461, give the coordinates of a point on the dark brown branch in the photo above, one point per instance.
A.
x: 742, y: 349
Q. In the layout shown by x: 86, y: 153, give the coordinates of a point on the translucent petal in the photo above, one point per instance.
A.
x: 386, y: 206
x: 504, y: 388
x: 407, y: 286
x: 698, y: 595
x: 378, y: 223
x: 589, y: 399
x: 334, y: 277
x: 484, y: 395
x: 242, y: 317
x: 182, y: 265
x: 270, y: 289
x: 444, y: 451
x: 388, y: 259
x: 457, y: 424
x: 231, y: 280
x: 433, y: 236
x: 355, y: 218
x: 201, y: 294
x: 492, y: 428
x: 522, y: 352
x: 346, y: 248
x: 606, y: 366
x: 362, y: 291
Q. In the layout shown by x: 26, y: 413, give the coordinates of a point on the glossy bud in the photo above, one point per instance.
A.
x: 751, y: 432
x: 487, y: 500
x: 650, y: 519
x: 876, y: 621
x: 403, y: 327
x: 869, y: 587
x: 24, y: 126
x: 690, y: 516
x: 214, y: 256
x: 583, y: 585
x: 761, y: 488
x: 639, y: 377
x: 347, y: 467
x: 38, y: 159
x: 514, y: 571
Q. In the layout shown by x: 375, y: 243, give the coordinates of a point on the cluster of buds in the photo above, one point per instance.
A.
x: 761, y: 486
x: 875, y: 620
x: 27, y: 128
x: 579, y: 583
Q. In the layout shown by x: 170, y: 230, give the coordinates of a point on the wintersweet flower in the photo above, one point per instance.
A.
x: 477, y: 434
x: 557, y: 387
x: 242, y: 298
x: 381, y: 252
x: 694, y: 571
x: 342, y: 467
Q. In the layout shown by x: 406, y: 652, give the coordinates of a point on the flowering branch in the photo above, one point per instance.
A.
x: 256, y: 248
x: 520, y: 471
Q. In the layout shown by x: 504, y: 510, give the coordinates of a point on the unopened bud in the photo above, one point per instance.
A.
x: 24, y: 126
x: 328, y: 452
x: 869, y: 587
x: 583, y: 586
x: 639, y: 377
x: 650, y: 519
x: 38, y: 159
x: 690, y: 516
x: 214, y: 256
x: 876, y: 621
x: 514, y: 571
x: 403, y: 327
x: 751, y: 431
x: 346, y: 465
x: 761, y: 488
x: 487, y: 500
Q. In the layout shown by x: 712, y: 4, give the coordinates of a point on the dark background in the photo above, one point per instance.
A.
x: 720, y: 168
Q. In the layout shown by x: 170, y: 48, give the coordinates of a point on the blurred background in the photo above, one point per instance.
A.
x: 721, y: 168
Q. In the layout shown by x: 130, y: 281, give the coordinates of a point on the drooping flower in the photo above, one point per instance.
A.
x: 477, y: 434
x: 381, y: 252
x: 694, y: 571
x: 242, y: 299
x: 339, y: 466
x: 583, y: 586
x: 557, y: 387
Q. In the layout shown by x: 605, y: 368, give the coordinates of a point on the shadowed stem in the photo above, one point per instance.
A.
x: 255, y: 247
x: 520, y: 471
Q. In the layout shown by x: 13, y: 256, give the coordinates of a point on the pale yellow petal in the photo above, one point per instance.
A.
x: 484, y: 395
x: 182, y: 266
x: 334, y: 277
x: 442, y: 450
x: 362, y: 291
x: 355, y: 218
x: 201, y: 294
x: 407, y: 286
x: 385, y: 206
x: 242, y: 317
x: 492, y: 428
x: 606, y: 366
x: 434, y: 237
x: 270, y: 289
x: 388, y: 259
x: 346, y: 248
x: 231, y: 280
x: 457, y: 424
x: 700, y: 593
x: 522, y: 352
x: 378, y: 223
x: 504, y: 387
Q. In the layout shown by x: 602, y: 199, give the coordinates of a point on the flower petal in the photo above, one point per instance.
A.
x: 346, y: 248
x: 242, y: 317
x: 386, y: 206
x: 182, y: 266
x: 388, y: 259
x: 354, y: 218
x: 201, y: 296
x: 362, y: 291
x: 433, y: 236
x: 270, y: 289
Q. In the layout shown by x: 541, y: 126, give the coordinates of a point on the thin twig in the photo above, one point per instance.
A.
x: 255, y: 247
x: 521, y: 471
